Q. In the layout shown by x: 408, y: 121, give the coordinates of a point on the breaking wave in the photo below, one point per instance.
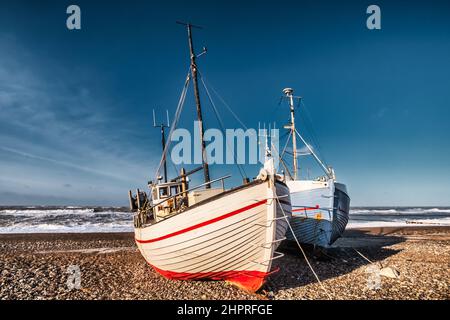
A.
x: 399, y: 216
x: 109, y: 219
x: 400, y: 210
x: 64, y: 220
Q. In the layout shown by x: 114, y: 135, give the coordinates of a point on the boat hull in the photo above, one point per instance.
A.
x: 231, y: 237
x: 319, y: 211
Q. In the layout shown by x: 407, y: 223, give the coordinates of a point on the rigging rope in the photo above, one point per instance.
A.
x: 282, y: 161
x: 175, y: 122
x: 227, y: 106
x: 310, y: 125
x: 287, y: 141
x: 240, y: 168
x: 177, y: 172
x: 324, y: 167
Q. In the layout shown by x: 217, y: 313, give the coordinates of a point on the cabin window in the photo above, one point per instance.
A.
x: 173, y: 190
x: 155, y: 194
x: 163, y: 192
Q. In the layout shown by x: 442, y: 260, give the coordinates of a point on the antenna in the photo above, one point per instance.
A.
x: 266, y: 134
x: 166, y: 125
x: 163, y: 139
x: 203, y: 52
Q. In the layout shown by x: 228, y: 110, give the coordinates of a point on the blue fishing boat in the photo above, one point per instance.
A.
x: 320, y: 207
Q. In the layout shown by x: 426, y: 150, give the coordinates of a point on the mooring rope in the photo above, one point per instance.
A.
x: 301, y: 249
x: 367, y: 259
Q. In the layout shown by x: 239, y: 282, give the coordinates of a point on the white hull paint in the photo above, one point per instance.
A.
x: 319, y: 211
x: 232, y: 237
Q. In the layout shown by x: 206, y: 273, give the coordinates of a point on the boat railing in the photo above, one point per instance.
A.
x: 276, y: 255
x: 143, y: 215
x: 271, y: 221
x: 329, y: 211
x: 268, y: 245
x: 312, y: 208
x: 194, y: 188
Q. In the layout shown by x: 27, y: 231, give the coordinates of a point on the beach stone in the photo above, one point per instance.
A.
x: 121, y: 273
x: 389, y: 273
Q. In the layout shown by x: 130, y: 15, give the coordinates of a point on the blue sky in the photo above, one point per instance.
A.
x: 76, y: 106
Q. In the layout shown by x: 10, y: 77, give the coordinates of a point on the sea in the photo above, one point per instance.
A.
x: 65, y: 219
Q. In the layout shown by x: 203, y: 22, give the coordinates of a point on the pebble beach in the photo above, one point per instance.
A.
x: 38, y: 266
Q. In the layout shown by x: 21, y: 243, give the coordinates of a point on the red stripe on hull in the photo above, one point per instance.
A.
x: 247, y: 280
x: 307, y: 208
x: 205, y: 223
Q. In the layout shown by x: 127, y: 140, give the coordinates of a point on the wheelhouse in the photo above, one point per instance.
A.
x: 167, y: 199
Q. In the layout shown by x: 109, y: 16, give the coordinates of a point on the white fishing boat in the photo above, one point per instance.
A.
x: 320, y: 207
x: 202, y: 232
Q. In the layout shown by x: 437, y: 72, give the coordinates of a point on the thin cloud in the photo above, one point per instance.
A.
x: 64, y: 163
x: 60, y: 123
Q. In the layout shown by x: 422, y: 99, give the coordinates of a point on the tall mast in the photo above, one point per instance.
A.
x: 288, y: 92
x: 199, y: 108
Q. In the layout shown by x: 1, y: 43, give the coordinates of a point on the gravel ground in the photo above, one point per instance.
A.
x: 35, y: 266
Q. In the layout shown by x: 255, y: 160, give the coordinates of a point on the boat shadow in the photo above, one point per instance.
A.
x: 340, y: 259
